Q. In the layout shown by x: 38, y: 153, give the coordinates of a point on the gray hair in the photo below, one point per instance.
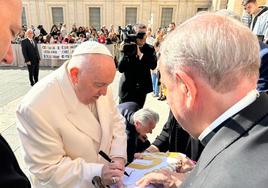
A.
x: 218, y: 48
x: 28, y: 31
x: 145, y: 115
x: 229, y: 13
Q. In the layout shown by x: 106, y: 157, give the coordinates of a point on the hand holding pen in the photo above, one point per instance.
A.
x: 112, y: 172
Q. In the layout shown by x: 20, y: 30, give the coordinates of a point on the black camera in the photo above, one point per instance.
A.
x: 129, y: 36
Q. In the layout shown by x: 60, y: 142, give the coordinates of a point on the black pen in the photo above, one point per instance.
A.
x: 107, y: 158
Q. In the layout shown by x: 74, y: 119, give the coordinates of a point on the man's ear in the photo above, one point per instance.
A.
x: 74, y: 75
x: 188, y: 88
x: 137, y: 125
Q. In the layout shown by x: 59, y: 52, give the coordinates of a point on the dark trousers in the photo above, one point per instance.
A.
x: 33, y: 70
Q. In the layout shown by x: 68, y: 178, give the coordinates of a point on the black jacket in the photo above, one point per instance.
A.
x: 136, y: 73
x: 11, y: 176
x: 174, y: 139
x: 134, y: 144
x: 30, y: 51
x: 236, y: 154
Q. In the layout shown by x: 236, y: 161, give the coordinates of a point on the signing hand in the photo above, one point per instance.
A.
x: 112, y: 174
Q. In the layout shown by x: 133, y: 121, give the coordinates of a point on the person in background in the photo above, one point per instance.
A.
x: 259, y: 20
x: 174, y: 138
x: 150, y: 37
x: 31, y: 56
x: 136, y: 62
x: 139, y: 122
x: 63, y: 30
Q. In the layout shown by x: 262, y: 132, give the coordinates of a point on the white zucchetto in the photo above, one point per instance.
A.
x: 91, y: 47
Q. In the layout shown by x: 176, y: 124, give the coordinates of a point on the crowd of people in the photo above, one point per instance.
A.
x: 59, y: 34
x: 214, y: 84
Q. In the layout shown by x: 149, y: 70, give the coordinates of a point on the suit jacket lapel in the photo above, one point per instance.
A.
x: 233, y: 129
x: 32, y: 44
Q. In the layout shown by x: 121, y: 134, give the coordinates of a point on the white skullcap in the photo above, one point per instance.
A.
x: 91, y: 47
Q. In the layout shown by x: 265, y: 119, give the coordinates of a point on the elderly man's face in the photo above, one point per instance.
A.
x: 175, y: 97
x: 91, y: 84
x: 146, y: 128
x: 10, y: 16
x: 30, y: 34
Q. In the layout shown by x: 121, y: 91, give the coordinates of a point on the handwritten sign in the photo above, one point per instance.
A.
x: 57, y: 51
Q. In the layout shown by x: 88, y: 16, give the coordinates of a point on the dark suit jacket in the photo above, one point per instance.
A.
x: 134, y: 144
x: 11, y: 176
x: 30, y: 51
x: 262, y: 84
x: 174, y: 138
x: 136, y: 76
x: 236, y: 156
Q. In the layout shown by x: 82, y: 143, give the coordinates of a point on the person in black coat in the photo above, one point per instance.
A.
x: 31, y: 56
x: 138, y: 122
x: 262, y: 85
x: 174, y: 139
x: 11, y: 176
x: 135, y: 65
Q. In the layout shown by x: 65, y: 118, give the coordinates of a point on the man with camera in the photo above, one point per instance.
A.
x: 136, y: 61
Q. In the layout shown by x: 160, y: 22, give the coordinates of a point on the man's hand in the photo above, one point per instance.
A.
x: 185, y: 165
x: 28, y: 62
x: 163, y: 178
x: 112, y: 174
x: 121, y: 161
x: 138, y: 155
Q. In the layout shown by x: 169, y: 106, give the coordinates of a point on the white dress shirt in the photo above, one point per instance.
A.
x: 244, y: 102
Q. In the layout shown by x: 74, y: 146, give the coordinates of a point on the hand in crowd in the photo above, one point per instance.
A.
x: 162, y: 178
x: 28, y: 62
x: 166, y: 177
x: 185, y: 165
x: 112, y: 173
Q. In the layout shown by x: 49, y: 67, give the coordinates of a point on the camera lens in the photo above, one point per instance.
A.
x: 140, y: 35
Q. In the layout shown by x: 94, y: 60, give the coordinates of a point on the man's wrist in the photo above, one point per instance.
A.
x: 152, y: 148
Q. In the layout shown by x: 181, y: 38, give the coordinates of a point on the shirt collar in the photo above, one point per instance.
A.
x: 244, y: 102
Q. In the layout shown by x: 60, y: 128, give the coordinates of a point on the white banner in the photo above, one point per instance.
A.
x: 57, y: 51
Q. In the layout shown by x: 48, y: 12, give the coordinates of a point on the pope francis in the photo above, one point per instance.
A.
x: 68, y: 117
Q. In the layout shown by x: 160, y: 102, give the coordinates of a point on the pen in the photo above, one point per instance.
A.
x: 107, y: 158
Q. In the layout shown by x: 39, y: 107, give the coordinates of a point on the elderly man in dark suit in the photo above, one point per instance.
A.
x: 211, y: 81
x: 138, y: 122
x: 31, y: 56
x: 11, y: 175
